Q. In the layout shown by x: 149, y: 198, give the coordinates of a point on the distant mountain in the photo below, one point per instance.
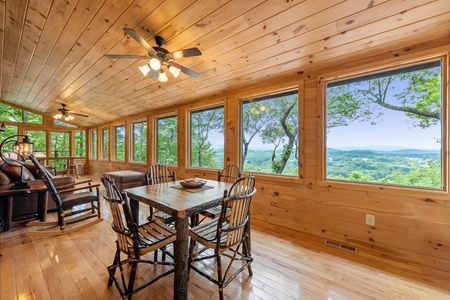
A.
x: 387, y: 150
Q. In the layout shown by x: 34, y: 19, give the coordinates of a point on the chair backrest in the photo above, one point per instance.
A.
x: 46, y: 178
x: 159, y: 173
x: 123, y: 223
x: 229, y: 174
x: 235, y: 211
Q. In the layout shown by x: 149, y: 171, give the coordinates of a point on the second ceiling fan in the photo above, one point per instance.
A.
x: 158, y: 57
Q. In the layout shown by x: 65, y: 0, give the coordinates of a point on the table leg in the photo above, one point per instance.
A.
x: 181, y: 259
x: 134, y: 206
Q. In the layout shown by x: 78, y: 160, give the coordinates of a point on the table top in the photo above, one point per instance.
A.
x: 35, y: 186
x: 181, y: 202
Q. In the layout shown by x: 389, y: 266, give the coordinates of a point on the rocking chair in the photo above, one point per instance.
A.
x: 73, y: 205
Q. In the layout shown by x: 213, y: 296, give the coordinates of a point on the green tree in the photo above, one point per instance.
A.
x: 140, y: 141
x: 167, y: 140
x: 80, y: 143
x: 203, y: 123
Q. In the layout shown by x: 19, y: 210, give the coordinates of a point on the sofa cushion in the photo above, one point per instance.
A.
x: 4, y: 179
x: 13, y: 171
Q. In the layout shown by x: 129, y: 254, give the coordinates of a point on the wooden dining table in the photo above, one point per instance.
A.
x: 184, y: 204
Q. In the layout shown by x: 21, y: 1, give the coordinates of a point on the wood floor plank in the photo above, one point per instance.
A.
x: 287, y: 265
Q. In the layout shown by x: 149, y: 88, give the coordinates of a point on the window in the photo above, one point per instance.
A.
x: 270, y: 134
x: 10, y: 130
x: 60, y: 146
x: 80, y: 143
x: 39, y: 139
x: 206, y: 138
x: 13, y: 114
x: 93, y: 143
x: 105, y: 144
x: 167, y: 142
x: 139, y: 142
x: 386, y: 127
x: 64, y: 124
x: 119, y: 136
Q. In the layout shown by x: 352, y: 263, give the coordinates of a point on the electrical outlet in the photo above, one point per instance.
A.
x: 370, y: 220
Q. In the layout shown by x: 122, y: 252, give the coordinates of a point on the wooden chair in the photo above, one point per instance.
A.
x: 229, y: 174
x: 134, y: 241
x: 159, y: 173
x: 72, y: 204
x: 225, y: 236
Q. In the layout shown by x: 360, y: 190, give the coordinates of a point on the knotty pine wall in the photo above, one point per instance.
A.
x: 411, y: 226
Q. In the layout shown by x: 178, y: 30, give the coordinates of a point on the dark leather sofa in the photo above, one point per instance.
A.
x: 25, y: 206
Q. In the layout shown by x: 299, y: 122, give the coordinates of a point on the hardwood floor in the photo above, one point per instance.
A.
x: 287, y: 265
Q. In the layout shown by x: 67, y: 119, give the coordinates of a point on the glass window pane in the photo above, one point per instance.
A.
x: 167, y: 141
x: 10, y: 113
x: 207, y: 139
x: 80, y: 143
x: 7, y: 150
x: 60, y: 147
x: 270, y: 134
x: 386, y: 127
x: 120, y: 142
x: 31, y: 118
x: 93, y: 143
x: 140, y: 141
x: 39, y: 138
x: 105, y: 143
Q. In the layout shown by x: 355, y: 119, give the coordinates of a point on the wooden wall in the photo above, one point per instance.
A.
x: 412, y: 227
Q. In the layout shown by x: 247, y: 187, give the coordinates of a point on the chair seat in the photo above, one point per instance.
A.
x: 213, y: 212
x: 71, y: 200
x: 153, y: 235
x: 206, y: 233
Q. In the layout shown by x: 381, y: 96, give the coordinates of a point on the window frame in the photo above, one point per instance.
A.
x: 93, y: 144
x: 114, y: 145
x: 368, y: 186
x: 156, y: 135
x: 104, y: 155
x: 189, y: 113
x: 132, y: 141
x: 261, y: 97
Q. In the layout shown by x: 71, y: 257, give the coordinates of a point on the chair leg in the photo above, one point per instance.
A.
x: 113, y: 267
x: 219, y: 275
x: 132, y: 277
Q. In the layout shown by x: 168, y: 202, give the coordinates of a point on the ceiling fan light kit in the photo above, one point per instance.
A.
x: 159, y: 57
x: 66, y: 114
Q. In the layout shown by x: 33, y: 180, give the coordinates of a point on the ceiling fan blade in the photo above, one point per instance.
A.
x: 186, y: 53
x: 138, y: 39
x: 77, y: 114
x: 115, y: 56
x: 185, y: 70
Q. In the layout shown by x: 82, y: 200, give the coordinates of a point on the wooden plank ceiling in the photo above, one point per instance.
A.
x: 52, y: 51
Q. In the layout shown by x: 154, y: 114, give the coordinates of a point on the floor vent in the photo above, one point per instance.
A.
x: 339, y: 245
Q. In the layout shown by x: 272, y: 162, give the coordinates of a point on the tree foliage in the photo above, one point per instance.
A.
x: 275, y: 121
x: 167, y: 140
x: 203, y: 124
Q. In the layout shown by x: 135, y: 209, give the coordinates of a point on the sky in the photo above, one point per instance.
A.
x: 395, y: 130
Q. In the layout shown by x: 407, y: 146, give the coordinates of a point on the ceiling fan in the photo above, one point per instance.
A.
x: 66, y: 114
x: 158, y: 57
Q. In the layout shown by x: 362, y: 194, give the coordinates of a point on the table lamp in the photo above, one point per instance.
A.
x: 22, y: 149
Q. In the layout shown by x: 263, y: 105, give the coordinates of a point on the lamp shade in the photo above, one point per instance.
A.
x: 145, y: 69
x: 175, y: 71
x: 162, y: 76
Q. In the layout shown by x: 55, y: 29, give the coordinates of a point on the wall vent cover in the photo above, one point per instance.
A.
x: 340, y: 245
